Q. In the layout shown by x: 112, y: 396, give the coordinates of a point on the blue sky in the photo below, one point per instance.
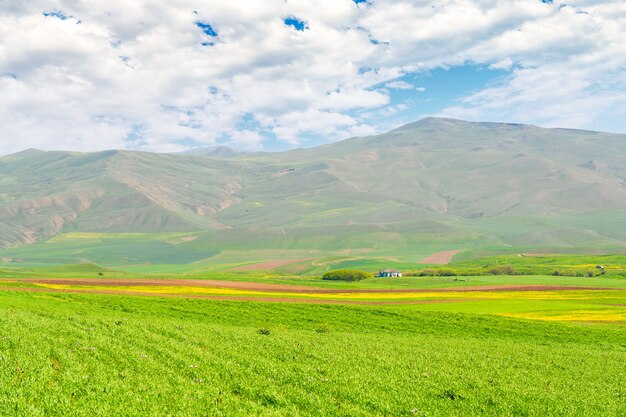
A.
x: 430, y: 93
x: 275, y: 74
x: 443, y: 87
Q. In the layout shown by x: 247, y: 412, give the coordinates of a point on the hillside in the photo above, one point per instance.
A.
x: 463, y: 184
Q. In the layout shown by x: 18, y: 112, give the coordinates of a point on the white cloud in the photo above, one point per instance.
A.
x: 581, y: 78
x: 139, y: 70
x: 399, y: 85
x: 246, y: 139
x: 290, y: 126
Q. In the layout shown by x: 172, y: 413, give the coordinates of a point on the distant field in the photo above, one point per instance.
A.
x: 187, y: 254
x: 550, y: 263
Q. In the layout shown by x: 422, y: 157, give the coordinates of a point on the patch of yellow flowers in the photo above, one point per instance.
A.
x: 600, y: 305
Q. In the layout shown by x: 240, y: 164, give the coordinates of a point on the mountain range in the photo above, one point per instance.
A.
x: 467, y: 184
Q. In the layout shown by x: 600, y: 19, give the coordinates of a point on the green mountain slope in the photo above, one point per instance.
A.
x: 43, y: 194
x: 436, y: 183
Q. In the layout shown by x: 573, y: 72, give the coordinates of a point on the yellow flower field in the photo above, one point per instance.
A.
x: 588, y: 305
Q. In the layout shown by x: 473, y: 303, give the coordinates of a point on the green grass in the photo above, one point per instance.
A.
x: 544, y: 264
x: 91, y: 355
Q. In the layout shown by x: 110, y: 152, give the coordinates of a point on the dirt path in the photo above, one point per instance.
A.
x: 440, y: 258
x: 236, y: 285
x: 263, y: 266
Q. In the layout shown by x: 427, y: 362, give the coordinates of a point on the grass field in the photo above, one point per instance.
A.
x: 531, y: 351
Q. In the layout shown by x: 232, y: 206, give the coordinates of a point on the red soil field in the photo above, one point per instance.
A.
x: 264, y: 266
x: 440, y: 258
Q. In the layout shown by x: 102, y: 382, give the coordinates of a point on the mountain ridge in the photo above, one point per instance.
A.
x: 430, y: 121
x: 463, y: 177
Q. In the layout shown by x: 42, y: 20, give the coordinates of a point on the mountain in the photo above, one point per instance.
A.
x: 468, y: 184
x: 216, y: 152
x: 43, y: 194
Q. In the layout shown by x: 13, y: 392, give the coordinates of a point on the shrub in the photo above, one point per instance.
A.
x: 471, y: 272
x: 446, y: 272
x: 504, y: 270
x: 451, y: 394
x: 345, y: 275
x: 323, y: 328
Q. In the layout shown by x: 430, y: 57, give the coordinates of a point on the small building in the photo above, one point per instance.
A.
x: 389, y: 273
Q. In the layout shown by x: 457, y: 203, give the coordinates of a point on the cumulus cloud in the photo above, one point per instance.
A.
x: 399, y: 85
x: 576, y: 75
x: 160, y: 75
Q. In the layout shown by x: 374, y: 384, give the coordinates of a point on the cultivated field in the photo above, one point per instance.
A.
x: 426, y: 346
x: 601, y: 300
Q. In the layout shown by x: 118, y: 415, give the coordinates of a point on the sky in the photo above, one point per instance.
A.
x: 169, y: 75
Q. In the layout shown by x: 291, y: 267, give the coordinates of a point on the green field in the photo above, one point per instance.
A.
x: 505, y: 353
x: 84, y: 339
x: 176, y: 255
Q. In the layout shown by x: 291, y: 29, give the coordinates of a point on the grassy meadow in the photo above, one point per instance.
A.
x: 94, y: 354
x: 84, y: 339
